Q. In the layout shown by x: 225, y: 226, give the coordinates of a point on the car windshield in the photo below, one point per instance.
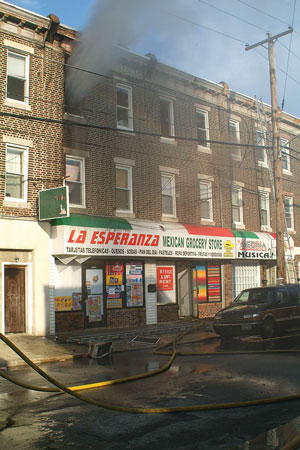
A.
x: 255, y: 296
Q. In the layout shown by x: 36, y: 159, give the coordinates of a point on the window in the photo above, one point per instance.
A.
x: 168, y: 195
x: 289, y: 213
x: 16, y: 173
x: 237, y: 205
x: 17, y: 77
x: 285, y: 155
x: 124, y: 108
x: 264, y: 209
x: 124, y: 188
x: 166, y: 118
x: 75, y: 179
x: 206, y: 200
x: 261, y: 151
x: 234, y: 135
x: 202, y: 127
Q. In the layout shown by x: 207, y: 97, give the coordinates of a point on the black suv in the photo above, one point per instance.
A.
x: 263, y: 311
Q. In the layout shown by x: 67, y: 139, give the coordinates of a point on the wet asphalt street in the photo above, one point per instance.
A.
x: 35, y: 420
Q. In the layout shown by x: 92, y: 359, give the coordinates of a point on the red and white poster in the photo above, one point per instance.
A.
x: 165, y: 278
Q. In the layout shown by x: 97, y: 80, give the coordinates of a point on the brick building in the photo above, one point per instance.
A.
x: 171, y: 205
x: 32, y: 93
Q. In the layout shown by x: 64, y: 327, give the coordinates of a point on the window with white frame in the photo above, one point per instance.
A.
x: 237, y: 205
x: 17, y: 83
x: 206, y: 204
x: 261, y: 150
x: 124, y: 107
x: 75, y: 179
x: 167, y: 117
x: 289, y: 213
x: 234, y: 135
x: 202, y: 127
x: 16, y: 173
x: 264, y: 209
x: 124, y: 194
x: 285, y: 155
x: 168, y: 194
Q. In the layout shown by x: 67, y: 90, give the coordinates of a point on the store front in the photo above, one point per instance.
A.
x: 114, y: 273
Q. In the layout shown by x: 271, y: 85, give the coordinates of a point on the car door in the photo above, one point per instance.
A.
x: 283, y: 310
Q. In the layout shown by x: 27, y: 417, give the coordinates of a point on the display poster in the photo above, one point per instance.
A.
x: 114, y: 285
x: 63, y: 303
x: 94, y: 308
x: 165, y: 278
x: 94, y: 281
x: 76, y: 301
x: 134, y: 285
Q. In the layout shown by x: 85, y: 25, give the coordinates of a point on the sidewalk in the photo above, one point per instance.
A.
x: 71, y: 345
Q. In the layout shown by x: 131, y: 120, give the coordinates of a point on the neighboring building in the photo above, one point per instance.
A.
x: 32, y: 86
x: 172, y: 210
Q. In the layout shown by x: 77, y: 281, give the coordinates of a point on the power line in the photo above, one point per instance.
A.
x: 288, y: 61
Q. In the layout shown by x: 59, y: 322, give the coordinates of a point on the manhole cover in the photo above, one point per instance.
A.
x: 145, y: 340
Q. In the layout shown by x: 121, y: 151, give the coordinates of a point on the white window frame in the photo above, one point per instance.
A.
x: 129, y: 109
x: 236, y: 152
x: 284, y: 146
x: 288, y: 201
x: 24, y: 151
x: 207, y: 199
x: 202, y: 146
x: 261, y: 145
x: 171, y: 181
x: 264, y: 195
x: 26, y: 79
x: 237, y: 188
x: 81, y: 161
x: 170, y: 102
x: 128, y: 169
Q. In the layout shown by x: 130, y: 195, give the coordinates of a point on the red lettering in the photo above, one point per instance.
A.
x: 124, y: 239
x: 81, y: 237
x: 133, y: 239
x: 117, y: 238
x: 102, y: 237
x: 71, y: 236
x: 155, y: 241
x: 110, y: 237
x: 141, y: 239
x: 94, y: 237
x: 149, y: 236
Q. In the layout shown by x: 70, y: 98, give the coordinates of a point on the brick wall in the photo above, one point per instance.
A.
x: 69, y: 321
x: 167, y: 313
x: 130, y: 317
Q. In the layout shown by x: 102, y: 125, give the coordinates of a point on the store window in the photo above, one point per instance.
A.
x: 206, y: 282
x: 17, y: 85
x: 124, y: 285
x: 16, y: 173
x: 75, y: 179
x: 124, y: 107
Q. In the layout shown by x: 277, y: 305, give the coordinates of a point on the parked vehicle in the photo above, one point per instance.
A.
x: 264, y: 311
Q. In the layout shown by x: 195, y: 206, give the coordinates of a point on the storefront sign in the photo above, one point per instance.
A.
x: 168, y: 241
x: 165, y: 278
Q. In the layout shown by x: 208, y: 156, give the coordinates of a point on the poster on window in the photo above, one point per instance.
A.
x: 114, y: 285
x: 76, y: 301
x: 166, y: 286
x: 94, y: 281
x: 134, y: 285
x: 94, y: 308
x: 63, y: 303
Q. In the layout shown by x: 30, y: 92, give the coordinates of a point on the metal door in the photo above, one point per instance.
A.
x: 14, y: 299
x: 93, y: 288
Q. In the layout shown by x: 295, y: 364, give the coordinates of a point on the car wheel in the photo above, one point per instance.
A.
x: 269, y: 328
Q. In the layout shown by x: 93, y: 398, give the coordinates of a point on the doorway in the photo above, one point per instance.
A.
x: 93, y: 296
x: 14, y: 299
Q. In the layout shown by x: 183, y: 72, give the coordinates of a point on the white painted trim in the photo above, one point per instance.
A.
x: 17, y: 141
x: 125, y: 161
x: 169, y: 170
x: 17, y: 46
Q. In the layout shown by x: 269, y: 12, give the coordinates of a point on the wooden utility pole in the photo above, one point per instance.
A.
x: 277, y: 166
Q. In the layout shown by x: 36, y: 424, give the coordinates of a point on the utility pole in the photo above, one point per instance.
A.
x: 277, y: 166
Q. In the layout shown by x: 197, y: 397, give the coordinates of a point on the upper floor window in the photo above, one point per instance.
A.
x: 168, y: 194
x: 16, y: 173
x: 75, y: 179
x: 206, y: 206
x: 202, y: 128
x: 17, y: 85
x: 285, y: 155
x: 264, y: 209
x: 237, y: 205
x: 167, y: 118
x: 261, y: 150
x: 124, y: 107
x: 289, y: 213
x: 234, y: 134
x: 124, y: 195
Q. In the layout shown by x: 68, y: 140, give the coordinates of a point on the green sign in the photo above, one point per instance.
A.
x: 54, y: 203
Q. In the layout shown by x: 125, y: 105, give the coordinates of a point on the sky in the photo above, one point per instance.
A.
x: 206, y: 38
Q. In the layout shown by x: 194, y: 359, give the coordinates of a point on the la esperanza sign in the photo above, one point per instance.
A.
x: 172, y: 243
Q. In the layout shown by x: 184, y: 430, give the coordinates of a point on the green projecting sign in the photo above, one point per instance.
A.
x: 54, y: 203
